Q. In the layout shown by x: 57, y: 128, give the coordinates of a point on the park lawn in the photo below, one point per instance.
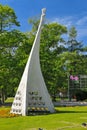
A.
x: 9, y: 100
x: 66, y: 118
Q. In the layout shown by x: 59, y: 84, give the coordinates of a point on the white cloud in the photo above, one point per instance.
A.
x: 82, y: 21
x: 67, y: 21
x: 82, y: 32
x: 6, y: 1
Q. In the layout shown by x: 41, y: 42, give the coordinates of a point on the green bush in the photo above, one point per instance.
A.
x: 81, y: 95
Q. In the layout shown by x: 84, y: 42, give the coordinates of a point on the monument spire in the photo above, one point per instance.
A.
x: 32, y: 94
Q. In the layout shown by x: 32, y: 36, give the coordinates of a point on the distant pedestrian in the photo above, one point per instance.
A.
x: 61, y: 95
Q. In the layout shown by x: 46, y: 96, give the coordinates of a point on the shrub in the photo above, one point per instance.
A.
x: 81, y: 95
x: 6, y: 113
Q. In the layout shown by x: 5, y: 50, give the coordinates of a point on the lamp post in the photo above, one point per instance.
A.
x: 68, y: 88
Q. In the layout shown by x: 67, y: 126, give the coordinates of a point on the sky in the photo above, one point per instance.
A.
x: 66, y: 12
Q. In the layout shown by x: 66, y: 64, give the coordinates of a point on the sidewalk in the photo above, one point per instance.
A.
x: 69, y: 103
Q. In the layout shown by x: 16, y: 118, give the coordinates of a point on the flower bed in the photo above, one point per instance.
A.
x: 6, y: 113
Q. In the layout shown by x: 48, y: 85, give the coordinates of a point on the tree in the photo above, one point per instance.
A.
x: 49, y: 51
x: 72, y: 43
x: 7, y: 18
x: 74, y: 46
x: 9, y: 41
x: 73, y: 61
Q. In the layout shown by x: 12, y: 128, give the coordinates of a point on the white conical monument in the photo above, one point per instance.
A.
x: 32, y: 94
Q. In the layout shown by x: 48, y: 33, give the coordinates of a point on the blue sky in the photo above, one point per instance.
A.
x: 66, y: 12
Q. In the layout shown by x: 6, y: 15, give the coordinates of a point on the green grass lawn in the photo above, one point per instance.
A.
x: 66, y: 118
x: 9, y: 100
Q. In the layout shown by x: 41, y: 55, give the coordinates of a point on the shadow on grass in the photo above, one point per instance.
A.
x: 59, y: 112
x: 6, y: 104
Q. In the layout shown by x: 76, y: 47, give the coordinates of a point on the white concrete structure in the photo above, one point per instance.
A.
x: 32, y: 94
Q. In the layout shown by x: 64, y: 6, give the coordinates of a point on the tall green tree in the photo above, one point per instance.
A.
x: 8, y: 18
x: 9, y: 41
x: 73, y: 44
x: 50, y: 49
x: 73, y: 61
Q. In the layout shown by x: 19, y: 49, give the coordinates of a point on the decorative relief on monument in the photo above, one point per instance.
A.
x: 36, y: 102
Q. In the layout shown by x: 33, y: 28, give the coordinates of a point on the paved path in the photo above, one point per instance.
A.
x: 72, y: 103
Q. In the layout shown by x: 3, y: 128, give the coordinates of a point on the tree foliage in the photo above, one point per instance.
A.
x: 10, y: 39
x: 58, y: 57
x: 7, y: 18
